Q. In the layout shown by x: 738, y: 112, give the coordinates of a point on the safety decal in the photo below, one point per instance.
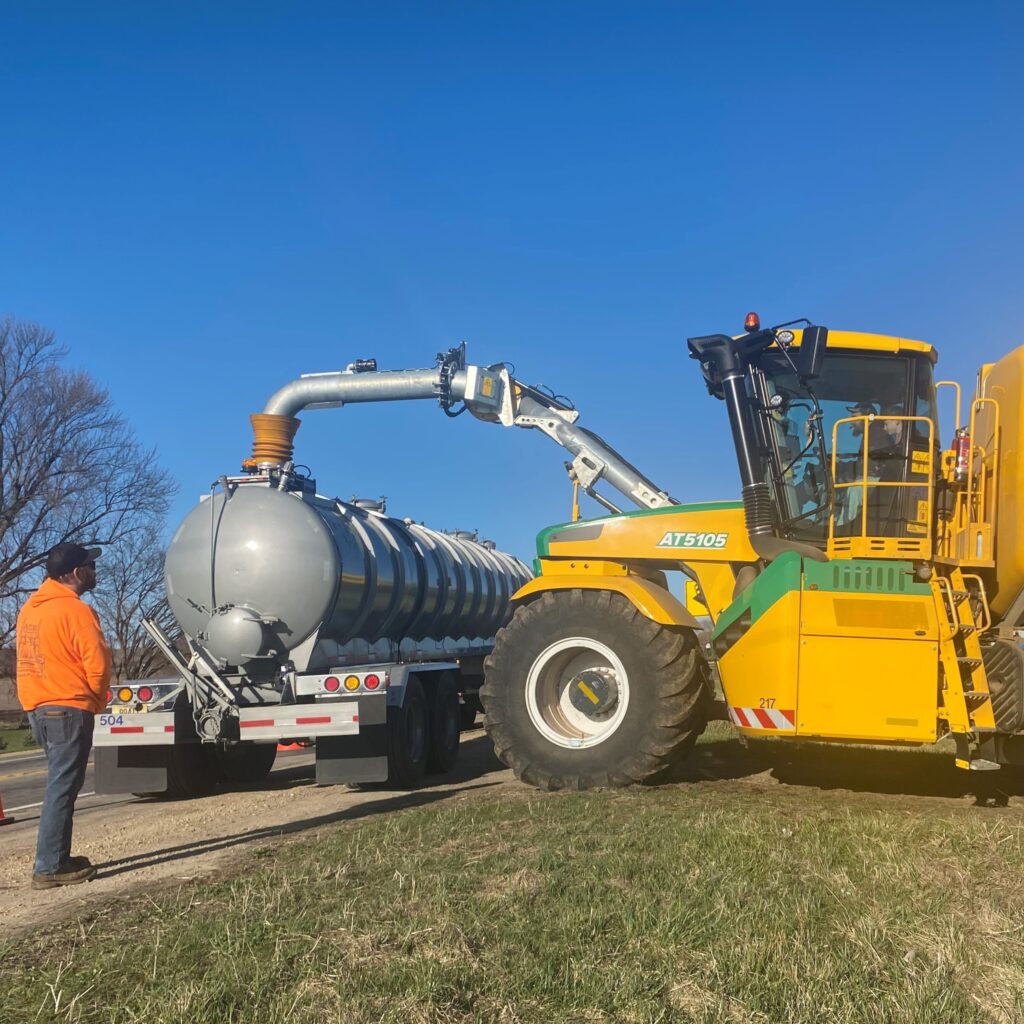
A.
x: 269, y: 723
x: 115, y: 723
x: 763, y: 718
x: 296, y: 720
x: 118, y: 729
x: 676, y: 539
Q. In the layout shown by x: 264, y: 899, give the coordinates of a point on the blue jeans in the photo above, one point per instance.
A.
x: 65, y: 734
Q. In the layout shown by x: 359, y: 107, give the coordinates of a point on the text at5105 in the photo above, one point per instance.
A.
x: 674, y: 539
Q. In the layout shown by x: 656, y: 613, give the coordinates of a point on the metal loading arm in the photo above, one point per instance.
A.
x: 489, y: 393
x: 519, y: 405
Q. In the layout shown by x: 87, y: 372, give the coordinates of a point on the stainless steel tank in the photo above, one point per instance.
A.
x: 254, y: 571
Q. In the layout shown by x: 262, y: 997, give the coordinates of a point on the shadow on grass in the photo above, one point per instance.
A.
x: 911, y: 771
x: 823, y: 766
x: 477, y: 759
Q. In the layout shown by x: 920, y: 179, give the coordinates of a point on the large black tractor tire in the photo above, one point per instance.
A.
x: 191, y: 771
x: 246, y: 763
x: 408, y: 738
x: 643, y: 704
x: 445, y: 724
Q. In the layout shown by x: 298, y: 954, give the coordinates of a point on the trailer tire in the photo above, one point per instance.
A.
x: 583, y: 691
x: 246, y: 763
x: 408, y: 737
x: 470, y: 708
x: 445, y: 724
x: 191, y: 771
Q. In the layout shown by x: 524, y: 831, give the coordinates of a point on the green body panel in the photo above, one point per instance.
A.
x: 853, y: 575
x: 781, y: 577
x: 864, y: 577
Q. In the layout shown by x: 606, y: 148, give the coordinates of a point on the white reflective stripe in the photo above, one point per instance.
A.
x: 780, y: 720
x: 299, y: 721
x: 133, y: 729
x: 263, y: 723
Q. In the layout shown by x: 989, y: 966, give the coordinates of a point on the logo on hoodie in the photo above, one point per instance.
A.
x: 30, y: 657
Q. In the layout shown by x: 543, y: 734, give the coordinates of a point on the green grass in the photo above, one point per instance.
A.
x: 724, y: 902
x: 14, y: 739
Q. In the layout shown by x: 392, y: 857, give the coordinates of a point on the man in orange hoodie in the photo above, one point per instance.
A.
x: 63, y: 672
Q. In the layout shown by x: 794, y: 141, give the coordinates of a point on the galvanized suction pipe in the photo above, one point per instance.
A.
x: 330, y: 390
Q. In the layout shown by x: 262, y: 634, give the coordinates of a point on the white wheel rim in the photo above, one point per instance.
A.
x: 548, y: 692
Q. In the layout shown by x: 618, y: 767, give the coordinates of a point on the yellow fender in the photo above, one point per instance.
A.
x: 652, y: 601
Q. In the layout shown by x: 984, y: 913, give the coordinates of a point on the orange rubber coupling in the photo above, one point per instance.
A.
x: 273, y: 439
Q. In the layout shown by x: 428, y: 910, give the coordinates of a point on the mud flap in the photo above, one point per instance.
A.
x: 358, y: 758
x: 133, y: 769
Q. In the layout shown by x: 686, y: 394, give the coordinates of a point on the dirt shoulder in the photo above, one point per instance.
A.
x: 141, y: 845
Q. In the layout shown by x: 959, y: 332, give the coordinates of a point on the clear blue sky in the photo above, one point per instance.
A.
x: 206, y: 200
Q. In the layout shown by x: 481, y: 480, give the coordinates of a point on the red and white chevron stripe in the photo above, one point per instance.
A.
x: 763, y: 718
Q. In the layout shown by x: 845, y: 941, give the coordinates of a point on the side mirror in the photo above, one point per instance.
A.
x: 811, y: 352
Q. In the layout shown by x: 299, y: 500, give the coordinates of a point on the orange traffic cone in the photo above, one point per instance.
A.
x: 5, y: 819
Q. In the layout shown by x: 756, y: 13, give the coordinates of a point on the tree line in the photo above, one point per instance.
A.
x: 72, y: 469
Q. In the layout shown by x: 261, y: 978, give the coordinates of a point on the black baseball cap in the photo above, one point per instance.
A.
x: 863, y: 409
x: 65, y: 558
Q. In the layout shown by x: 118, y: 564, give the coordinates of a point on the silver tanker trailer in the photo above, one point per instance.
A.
x: 306, y: 617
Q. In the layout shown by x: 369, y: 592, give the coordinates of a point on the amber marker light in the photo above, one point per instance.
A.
x: 752, y: 322
x: 351, y: 682
x: 124, y: 694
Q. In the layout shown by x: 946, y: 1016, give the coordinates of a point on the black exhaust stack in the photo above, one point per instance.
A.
x: 724, y: 362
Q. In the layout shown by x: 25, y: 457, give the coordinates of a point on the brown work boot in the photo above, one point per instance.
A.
x: 72, y: 874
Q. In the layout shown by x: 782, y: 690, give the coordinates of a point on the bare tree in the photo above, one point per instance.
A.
x: 71, y: 469
x: 130, y: 588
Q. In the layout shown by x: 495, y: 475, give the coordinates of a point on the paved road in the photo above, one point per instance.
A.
x: 23, y: 780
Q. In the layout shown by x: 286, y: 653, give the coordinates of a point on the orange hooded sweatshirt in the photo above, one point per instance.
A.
x: 62, y: 655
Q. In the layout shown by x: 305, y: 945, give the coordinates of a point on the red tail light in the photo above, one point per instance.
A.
x: 145, y: 693
x: 110, y: 696
x: 332, y: 683
x: 371, y: 682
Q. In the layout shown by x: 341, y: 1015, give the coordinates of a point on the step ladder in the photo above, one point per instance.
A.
x: 963, y: 613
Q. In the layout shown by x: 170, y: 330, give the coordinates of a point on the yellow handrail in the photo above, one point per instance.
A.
x: 986, y: 513
x: 920, y: 546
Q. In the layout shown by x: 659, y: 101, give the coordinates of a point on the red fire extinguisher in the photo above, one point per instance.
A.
x: 962, y: 455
